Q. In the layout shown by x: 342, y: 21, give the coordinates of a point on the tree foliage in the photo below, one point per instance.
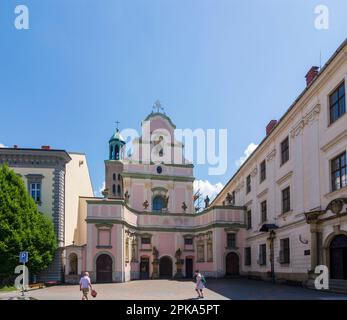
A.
x: 22, y: 227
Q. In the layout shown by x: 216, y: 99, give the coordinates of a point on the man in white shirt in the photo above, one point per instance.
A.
x: 85, y: 284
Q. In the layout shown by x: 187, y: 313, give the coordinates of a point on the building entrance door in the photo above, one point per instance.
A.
x: 104, y: 268
x: 165, y: 268
x: 338, y: 257
x: 189, y: 268
x: 232, y: 264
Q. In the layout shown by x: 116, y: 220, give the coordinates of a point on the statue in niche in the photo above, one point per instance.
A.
x: 179, y: 264
x: 155, y: 253
x: 155, y: 263
x: 134, y: 250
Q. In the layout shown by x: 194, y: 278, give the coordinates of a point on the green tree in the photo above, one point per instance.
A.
x: 22, y: 228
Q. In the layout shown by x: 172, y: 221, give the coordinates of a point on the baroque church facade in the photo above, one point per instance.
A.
x: 145, y: 226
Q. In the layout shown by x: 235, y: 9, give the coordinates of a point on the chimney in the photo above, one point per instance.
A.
x: 270, y: 126
x: 311, y: 75
x: 46, y: 148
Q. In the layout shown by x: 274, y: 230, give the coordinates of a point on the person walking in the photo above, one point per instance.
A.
x: 85, y: 284
x: 200, y: 284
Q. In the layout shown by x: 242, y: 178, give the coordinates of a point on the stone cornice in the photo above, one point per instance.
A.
x: 284, y: 178
x: 100, y: 201
x: 137, y: 175
x: 341, y: 136
x: 262, y: 193
x: 217, y: 224
x: 33, y: 158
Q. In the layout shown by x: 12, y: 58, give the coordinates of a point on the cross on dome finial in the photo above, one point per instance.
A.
x: 157, y: 105
x: 117, y: 123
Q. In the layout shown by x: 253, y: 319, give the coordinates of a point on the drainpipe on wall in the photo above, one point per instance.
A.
x: 272, y: 236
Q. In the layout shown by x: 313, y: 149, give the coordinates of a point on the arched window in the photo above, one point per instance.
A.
x: 118, y: 189
x: 158, y: 203
x: 114, y: 189
x: 114, y: 177
x: 118, y: 176
x: 73, y: 263
x: 116, y: 151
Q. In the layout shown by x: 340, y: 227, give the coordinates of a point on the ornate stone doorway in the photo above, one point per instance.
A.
x: 104, y: 268
x: 73, y: 264
x: 338, y: 257
x: 165, y: 267
x: 232, y: 264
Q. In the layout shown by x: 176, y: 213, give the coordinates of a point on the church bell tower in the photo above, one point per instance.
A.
x: 116, y: 146
x: 114, y: 166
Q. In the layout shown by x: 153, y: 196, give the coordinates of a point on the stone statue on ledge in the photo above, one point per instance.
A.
x: 145, y: 205
x: 179, y: 264
x: 229, y: 198
x: 155, y: 263
x: 207, y: 202
x: 166, y: 202
x: 105, y: 193
x: 126, y: 196
x: 184, y: 206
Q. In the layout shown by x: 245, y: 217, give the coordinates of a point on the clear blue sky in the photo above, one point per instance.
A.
x: 84, y: 64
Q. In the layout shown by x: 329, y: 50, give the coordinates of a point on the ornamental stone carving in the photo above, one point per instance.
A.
x: 306, y: 120
x: 312, y: 115
x: 297, y: 129
x: 336, y: 205
x: 254, y: 172
x: 239, y: 186
x: 271, y: 155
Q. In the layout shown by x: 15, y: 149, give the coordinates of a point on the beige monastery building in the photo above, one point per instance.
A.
x: 294, y: 186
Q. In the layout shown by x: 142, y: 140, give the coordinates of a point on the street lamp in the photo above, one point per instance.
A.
x: 272, y: 235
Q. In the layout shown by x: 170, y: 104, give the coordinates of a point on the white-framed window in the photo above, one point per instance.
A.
x: 35, y: 191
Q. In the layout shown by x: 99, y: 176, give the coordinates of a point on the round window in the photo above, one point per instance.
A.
x: 159, y: 170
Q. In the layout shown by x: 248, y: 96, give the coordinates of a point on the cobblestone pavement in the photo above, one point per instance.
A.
x: 221, y: 289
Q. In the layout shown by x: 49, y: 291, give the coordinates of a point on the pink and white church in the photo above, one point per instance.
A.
x: 146, y: 226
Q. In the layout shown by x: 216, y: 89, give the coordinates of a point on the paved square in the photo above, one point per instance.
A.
x: 221, y: 289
